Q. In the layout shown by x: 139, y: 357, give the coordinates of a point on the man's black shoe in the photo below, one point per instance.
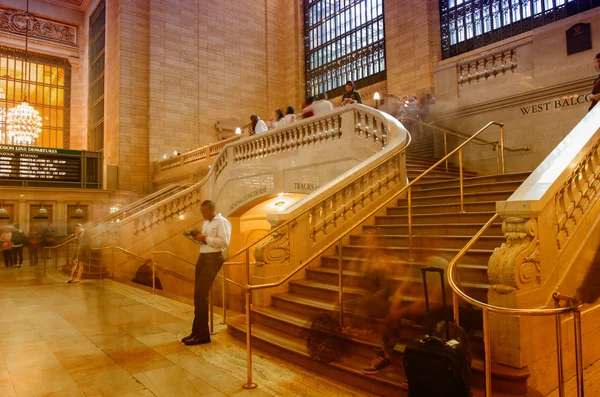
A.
x: 197, y: 341
x: 186, y: 338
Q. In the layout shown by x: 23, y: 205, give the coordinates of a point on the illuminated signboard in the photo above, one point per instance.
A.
x: 34, y: 166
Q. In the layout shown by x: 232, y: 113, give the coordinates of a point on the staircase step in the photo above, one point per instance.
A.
x: 469, y: 197
x: 424, y: 241
x: 462, y: 229
x: 358, y: 280
x: 476, y: 273
x: 448, y: 217
x: 476, y: 256
x: 418, y: 169
x: 312, y: 305
x: 388, y: 382
x: 417, y: 209
x: 348, y: 370
x: 483, y: 187
x: 475, y: 180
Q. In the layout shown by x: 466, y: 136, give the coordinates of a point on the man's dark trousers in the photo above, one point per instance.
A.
x: 207, y: 267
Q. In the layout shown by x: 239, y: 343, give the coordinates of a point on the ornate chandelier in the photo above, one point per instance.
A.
x: 23, y: 125
x: 23, y: 122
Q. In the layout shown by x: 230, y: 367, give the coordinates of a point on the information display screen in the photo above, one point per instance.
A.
x: 39, y: 164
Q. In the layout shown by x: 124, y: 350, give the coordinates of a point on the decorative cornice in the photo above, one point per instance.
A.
x: 15, y: 22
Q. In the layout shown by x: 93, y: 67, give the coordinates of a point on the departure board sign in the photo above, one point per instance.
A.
x: 41, y: 164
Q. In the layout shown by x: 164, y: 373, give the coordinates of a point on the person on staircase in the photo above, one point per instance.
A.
x: 595, y: 95
x: 257, y: 126
x: 351, y: 96
x: 214, y: 239
x: 6, y: 241
x: 81, y: 255
x: 18, y: 240
x: 400, y: 313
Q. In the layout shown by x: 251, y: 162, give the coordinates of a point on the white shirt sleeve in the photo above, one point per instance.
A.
x: 221, y: 241
x: 260, y: 127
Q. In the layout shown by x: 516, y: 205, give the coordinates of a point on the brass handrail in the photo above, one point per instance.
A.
x: 499, y: 146
x: 478, y: 141
x: 408, y: 188
x: 222, y: 276
x: 211, y: 302
x: 209, y: 148
x: 96, y: 224
x: 295, y: 218
x: 64, y: 242
x: 574, y: 306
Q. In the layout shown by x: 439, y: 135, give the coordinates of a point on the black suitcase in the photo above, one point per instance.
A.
x: 435, y: 367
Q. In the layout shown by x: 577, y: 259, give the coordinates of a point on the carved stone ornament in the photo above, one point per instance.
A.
x: 273, y: 251
x: 516, y: 264
x: 15, y: 22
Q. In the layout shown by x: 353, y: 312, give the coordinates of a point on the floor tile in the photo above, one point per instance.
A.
x: 35, y: 381
x: 111, y: 380
x: 174, y: 381
x: 164, y: 343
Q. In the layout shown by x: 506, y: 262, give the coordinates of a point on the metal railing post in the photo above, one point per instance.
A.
x: 341, y: 282
x: 153, y: 276
x: 410, y: 237
x: 578, y: 351
x: 446, y: 149
x: 559, y: 356
x: 461, y: 181
x: 502, y: 148
x: 211, y: 307
x: 249, y: 384
x: 498, y: 168
x: 455, y: 310
x: 224, y: 294
x: 487, y: 362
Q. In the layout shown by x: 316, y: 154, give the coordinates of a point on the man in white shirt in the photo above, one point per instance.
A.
x: 322, y: 105
x: 214, y: 239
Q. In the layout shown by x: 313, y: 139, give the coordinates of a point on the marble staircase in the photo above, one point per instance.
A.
x: 440, y: 230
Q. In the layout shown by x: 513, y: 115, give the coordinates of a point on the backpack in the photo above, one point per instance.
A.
x: 325, y: 341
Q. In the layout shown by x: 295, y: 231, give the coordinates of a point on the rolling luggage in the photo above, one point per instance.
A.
x: 437, y: 367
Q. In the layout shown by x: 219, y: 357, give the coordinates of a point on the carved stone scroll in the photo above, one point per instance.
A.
x: 273, y: 251
x: 516, y: 264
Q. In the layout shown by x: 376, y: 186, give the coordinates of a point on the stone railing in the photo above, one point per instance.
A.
x: 368, y: 130
x: 549, y: 224
x: 203, y: 153
x: 487, y: 66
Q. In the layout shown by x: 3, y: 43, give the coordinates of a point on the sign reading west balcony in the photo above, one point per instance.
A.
x: 35, y: 166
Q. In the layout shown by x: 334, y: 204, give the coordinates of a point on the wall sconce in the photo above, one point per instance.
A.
x: 377, y: 98
x: 3, y: 210
x: 238, y: 131
x: 79, y: 210
x: 42, y: 210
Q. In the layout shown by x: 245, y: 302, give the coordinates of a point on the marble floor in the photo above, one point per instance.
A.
x: 103, y: 338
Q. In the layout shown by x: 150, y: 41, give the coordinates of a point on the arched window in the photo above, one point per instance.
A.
x: 344, y: 40
x: 470, y: 24
x: 46, y: 83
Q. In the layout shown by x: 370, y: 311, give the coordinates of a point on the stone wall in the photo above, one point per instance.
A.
x: 540, y: 95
